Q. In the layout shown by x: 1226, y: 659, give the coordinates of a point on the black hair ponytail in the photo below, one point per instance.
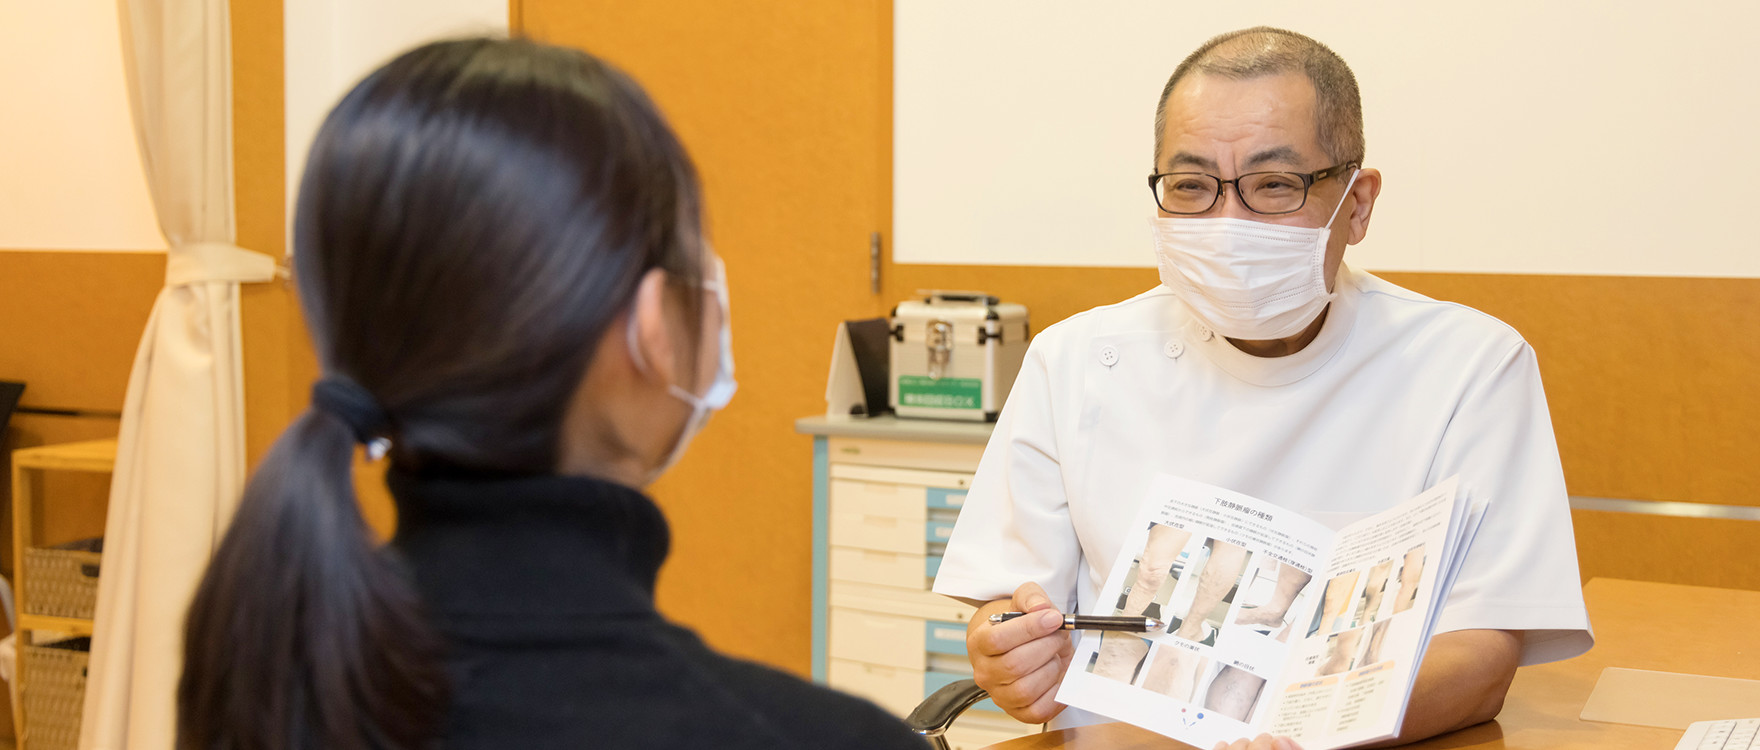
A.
x: 304, y: 633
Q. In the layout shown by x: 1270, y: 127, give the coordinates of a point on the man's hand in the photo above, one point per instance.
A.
x: 1020, y: 662
x: 1262, y: 742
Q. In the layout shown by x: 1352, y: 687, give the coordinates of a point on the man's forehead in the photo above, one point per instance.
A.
x: 1289, y: 90
x: 1253, y: 122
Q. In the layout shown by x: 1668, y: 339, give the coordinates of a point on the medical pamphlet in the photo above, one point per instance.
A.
x: 1274, y: 622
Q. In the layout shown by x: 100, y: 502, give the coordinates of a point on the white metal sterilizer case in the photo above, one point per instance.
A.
x: 955, y: 355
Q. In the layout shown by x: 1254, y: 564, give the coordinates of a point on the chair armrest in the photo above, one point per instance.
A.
x: 936, y: 713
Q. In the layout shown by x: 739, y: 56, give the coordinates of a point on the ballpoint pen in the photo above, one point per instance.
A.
x: 1091, y: 622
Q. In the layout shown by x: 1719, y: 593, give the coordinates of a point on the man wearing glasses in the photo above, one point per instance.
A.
x: 1265, y: 365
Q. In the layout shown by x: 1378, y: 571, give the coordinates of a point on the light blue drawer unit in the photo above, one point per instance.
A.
x: 886, y: 495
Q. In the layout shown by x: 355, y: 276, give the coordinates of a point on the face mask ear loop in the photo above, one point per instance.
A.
x: 641, y: 363
x: 1347, y: 194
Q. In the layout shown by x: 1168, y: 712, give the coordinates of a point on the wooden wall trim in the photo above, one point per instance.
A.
x: 274, y: 344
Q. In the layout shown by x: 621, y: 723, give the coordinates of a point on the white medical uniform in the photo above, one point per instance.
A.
x: 1397, y: 392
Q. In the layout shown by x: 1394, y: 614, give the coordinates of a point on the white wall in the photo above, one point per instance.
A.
x: 1574, y: 137
x: 70, y: 174
x: 332, y: 44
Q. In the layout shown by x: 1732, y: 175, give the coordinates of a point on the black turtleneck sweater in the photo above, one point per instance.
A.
x: 543, y: 588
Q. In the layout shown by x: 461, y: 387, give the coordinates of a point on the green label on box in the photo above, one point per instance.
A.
x: 940, y: 393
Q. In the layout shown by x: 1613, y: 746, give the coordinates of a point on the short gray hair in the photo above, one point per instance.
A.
x: 1263, y: 51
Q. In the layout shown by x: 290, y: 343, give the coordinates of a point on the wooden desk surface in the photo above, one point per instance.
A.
x: 1638, y: 625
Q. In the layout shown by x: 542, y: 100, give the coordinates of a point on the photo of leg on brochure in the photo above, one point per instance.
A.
x: 1331, y: 616
x: 1120, y: 657
x: 1411, y: 570
x: 1341, y: 652
x: 1200, y: 619
x: 1234, y: 692
x: 1369, y: 604
x: 1155, y: 573
x: 1377, y: 634
x: 1270, y: 602
x: 1174, y: 671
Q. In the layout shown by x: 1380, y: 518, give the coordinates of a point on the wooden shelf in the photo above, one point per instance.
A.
x: 91, y: 456
x: 67, y: 625
x: 98, y: 456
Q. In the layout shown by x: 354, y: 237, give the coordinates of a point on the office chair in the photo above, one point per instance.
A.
x: 931, y: 718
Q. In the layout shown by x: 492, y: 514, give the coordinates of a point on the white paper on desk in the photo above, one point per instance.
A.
x: 1315, y: 673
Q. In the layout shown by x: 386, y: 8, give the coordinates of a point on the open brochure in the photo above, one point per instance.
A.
x: 1274, y: 622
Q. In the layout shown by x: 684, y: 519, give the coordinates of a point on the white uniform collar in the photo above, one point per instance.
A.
x: 1341, y: 317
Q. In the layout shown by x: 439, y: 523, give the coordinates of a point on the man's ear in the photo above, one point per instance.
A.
x: 654, y: 354
x: 1367, y: 187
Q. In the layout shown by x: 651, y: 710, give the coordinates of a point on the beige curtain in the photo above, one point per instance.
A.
x: 180, y: 462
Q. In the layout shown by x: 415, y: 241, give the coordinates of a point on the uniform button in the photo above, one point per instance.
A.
x: 1173, y: 349
x: 1109, y: 355
x: 1206, y: 334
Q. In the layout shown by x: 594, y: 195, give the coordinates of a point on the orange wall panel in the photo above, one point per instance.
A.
x: 1651, y: 381
x: 72, y: 322
x: 1691, y: 551
x: 779, y: 105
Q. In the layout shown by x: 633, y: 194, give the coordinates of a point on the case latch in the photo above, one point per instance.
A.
x: 939, y: 340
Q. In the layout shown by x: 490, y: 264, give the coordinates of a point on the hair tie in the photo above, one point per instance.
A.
x: 346, y: 400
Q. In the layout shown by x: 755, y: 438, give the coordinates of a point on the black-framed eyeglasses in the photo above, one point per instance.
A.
x: 1261, y: 192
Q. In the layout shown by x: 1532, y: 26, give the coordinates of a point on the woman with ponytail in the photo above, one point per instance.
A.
x: 500, y: 257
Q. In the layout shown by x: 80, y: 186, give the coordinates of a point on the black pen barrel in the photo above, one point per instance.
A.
x: 1094, y: 622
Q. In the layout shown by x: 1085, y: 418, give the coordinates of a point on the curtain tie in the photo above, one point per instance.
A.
x: 216, y: 261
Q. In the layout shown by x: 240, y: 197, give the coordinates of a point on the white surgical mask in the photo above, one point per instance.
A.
x: 719, y: 393
x: 1246, y: 279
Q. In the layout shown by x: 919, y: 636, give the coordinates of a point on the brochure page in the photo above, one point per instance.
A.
x: 1354, y: 660
x: 1235, y: 579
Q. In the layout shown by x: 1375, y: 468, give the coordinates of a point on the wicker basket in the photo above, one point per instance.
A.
x: 52, y: 690
x: 63, y: 580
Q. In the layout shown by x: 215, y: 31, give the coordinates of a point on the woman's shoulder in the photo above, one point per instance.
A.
x: 649, y: 685
x: 798, y: 712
